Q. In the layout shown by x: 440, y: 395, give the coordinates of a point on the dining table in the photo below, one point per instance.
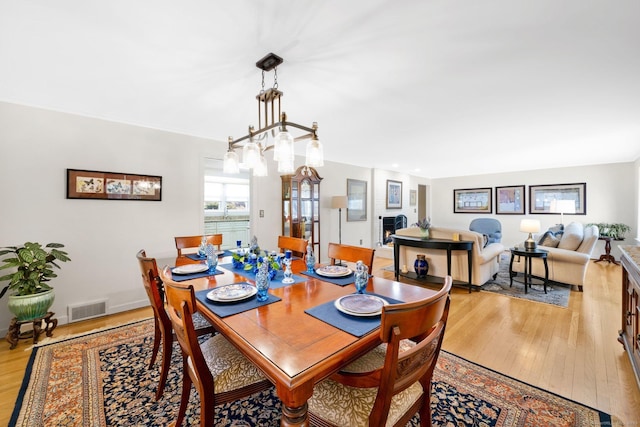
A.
x: 287, y: 337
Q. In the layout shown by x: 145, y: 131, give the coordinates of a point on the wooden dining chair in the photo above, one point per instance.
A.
x: 220, y: 373
x: 391, y: 383
x: 163, y: 332
x: 296, y: 245
x: 338, y: 252
x: 192, y: 242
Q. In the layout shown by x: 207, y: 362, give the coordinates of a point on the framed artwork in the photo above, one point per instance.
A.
x: 394, y: 194
x: 412, y: 197
x: 356, y: 200
x: 542, y: 197
x: 85, y: 184
x: 472, y: 200
x: 510, y: 200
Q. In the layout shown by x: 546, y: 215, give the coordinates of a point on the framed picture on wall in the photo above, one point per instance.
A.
x: 472, y: 200
x: 356, y: 200
x: 86, y: 184
x: 510, y: 200
x: 543, y: 199
x: 394, y: 194
x: 412, y: 197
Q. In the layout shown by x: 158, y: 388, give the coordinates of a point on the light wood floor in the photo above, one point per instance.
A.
x: 572, y: 351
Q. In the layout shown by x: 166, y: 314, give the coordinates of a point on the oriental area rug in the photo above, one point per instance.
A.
x: 102, y: 379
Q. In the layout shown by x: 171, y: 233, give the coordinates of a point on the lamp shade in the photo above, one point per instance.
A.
x: 563, y: 206
x: 530, y: 225
x: 339, y: 202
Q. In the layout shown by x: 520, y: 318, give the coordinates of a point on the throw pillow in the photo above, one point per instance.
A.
x: 572, y: 236
x: 549, y: 239
x: 557, y: 229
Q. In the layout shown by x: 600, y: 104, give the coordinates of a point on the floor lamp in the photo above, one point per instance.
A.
x: 563, y: 207
x: 339, y: 202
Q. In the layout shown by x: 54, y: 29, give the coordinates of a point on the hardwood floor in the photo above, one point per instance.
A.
x: 571, y: 351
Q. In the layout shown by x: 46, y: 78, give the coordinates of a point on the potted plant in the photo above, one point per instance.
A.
x: 616, y: 230
x: 424, y: 225
x: 30, y: 296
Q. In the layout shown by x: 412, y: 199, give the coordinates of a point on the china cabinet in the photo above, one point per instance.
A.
x: 301, y: 206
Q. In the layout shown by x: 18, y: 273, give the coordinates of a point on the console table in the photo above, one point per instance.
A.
x: 441, y: 244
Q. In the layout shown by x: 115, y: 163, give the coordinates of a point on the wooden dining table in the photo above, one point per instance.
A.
x: 294, y: 349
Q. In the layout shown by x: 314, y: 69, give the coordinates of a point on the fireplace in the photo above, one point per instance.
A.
x: 389, y: 226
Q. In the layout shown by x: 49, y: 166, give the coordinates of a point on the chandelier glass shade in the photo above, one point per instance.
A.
x: 272, y: 135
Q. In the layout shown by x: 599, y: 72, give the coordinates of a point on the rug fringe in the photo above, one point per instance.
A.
x: 53, y: 340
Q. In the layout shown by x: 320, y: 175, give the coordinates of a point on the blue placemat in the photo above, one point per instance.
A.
x: 230, y: 308
x: 275, y: 283
x: 183, y: 277
x: 354, y: 325
x: 341, y: 281
x: 197, y: 257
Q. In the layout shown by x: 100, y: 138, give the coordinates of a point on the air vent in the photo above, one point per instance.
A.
x: 87, y: 310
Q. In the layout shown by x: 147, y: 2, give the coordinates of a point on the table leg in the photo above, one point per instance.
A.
x: 396, y: 260
x: 13, y: 334
x: 470, y: 266
x: 294, y: 416
x: 527, y: 272
x: 607, y: 253
x: 511, y: 270
x: 546, y: 273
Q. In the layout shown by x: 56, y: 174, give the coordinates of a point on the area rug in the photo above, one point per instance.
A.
x: 101, y: 379
x: 557, y: 293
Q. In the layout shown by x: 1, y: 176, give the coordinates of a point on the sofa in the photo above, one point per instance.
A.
x: 569, y: 252
x: 484, y: 258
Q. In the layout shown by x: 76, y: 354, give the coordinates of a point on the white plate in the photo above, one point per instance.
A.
x: 360, y: 304
x: 190, y: 269
x: 333, y: 271
x: 233, y: 292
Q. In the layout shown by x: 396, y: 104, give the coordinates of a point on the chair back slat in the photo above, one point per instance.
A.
x: 296, y: 245
x: 192, y: 242
x: 351, y: 254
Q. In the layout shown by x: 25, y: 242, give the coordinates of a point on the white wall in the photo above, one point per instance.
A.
x: 610, y: 198
x: 101, y: 236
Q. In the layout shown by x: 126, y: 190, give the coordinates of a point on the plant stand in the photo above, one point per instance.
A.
x: 607, y: 249
x: 14, y: 335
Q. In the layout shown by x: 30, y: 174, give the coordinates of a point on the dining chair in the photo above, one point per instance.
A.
x: 391, y: 383
x: 163, y: 332
x: 189, y: 242
x: 349, y: 253
x: 296, y: 245
x: 220, y: 373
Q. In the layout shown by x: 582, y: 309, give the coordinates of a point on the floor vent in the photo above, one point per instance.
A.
x: 87, y: 310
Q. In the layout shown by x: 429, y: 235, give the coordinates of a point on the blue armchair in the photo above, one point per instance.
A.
x: 490, y: 227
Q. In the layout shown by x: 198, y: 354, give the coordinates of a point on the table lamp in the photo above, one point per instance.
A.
x: 530, y: 226
x: 563, y: 207
x: 339, y: 202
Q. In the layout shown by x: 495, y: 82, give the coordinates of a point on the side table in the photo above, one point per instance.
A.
x: 607, y: 251
x: 14, y: 335
x: 528, y: 256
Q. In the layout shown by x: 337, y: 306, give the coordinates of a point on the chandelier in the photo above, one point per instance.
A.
x: 271, y: 134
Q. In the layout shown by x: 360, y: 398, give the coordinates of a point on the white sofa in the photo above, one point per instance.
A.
x: 484, y: 259
x: 568, y: 261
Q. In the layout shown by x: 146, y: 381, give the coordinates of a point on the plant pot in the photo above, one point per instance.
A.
x: 424, y: 233
x: 30, y: 307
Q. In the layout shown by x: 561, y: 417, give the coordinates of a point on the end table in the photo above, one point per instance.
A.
x: 607, y: 251
x: 528, y: 255
x: 14, y: 335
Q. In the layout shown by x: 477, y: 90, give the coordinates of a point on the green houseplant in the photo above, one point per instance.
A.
x: 30, y: 295
x: 616, y: 230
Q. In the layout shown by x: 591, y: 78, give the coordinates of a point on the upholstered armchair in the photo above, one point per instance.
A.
x: 490, y: 227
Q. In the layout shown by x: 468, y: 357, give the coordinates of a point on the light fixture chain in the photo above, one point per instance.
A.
x: 262, y: 90
x: 275, y: 78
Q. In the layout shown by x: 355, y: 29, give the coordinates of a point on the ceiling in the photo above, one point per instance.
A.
x: 433, y: 88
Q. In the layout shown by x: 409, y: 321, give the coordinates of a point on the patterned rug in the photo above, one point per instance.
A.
x: 557, y: 293
x: 101, y: 379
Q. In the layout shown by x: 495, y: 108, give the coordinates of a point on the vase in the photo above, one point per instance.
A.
x: 424, y: 233
x: 421, y: 266
x: 30, y: 307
